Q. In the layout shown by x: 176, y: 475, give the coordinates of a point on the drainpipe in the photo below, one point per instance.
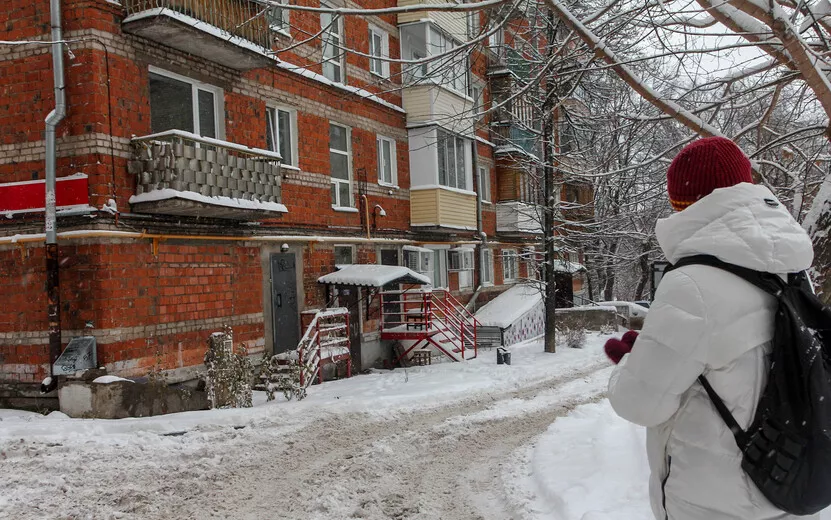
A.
x: 52, y: 121
x: 471, y: 305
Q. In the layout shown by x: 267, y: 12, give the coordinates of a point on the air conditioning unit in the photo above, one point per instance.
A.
x: 419, y: 259
x: 460, y: 259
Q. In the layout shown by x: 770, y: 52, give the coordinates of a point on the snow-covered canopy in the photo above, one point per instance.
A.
x: 509, y: 306
x: 372, y: 275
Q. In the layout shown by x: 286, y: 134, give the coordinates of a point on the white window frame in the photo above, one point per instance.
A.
x: 474, y: 25
x: 282, y: 25
x: 196, y: 86
x: 338, y: 58
x: 344, y: 246
x: 477, y: 93
x: 379, y: 142
x: 383, y: 52
x: 514, y: 262
x: 437, y: 43
x: 460, y: 145
x: 275, y: 138
x: 337, y: 182
x: 460, y: 260
x: 487, y: 267
x: 484, y: 179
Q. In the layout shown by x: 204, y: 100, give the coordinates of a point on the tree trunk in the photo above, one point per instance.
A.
x: 643, y: 263
x: 548, y: 237
x: 818, y: 225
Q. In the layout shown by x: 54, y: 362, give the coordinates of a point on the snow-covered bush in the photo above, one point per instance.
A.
x: 283, y: 374
x: 229, y: 372
x: 572, y: 337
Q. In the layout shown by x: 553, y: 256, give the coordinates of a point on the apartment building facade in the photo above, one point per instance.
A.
x: 217, y: 159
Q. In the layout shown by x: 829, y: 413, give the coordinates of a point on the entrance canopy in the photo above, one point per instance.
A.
x: 371, y: 275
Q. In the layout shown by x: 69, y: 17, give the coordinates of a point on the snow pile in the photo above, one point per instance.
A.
x: 372, y: 275
x: 105, y: 380
x: 509, y: 306
x: 589, y: 465
x: 228, y: 202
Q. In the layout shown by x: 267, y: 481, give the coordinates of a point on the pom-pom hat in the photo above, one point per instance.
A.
x: 703, y: 166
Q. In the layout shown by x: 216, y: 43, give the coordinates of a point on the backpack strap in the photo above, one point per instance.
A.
x: 724, y: 412
x: 768, y: 282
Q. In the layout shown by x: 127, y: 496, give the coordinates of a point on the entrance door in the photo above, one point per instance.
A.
x: 391, y: 310
x: 284, y: 316
x: 565, y: 290
x: 349, y: 297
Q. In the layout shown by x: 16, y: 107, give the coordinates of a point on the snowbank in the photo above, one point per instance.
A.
x: 590, y: 465
x: 509, y: 306
x: 382, y: 393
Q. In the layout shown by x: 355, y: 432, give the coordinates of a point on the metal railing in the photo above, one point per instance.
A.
x: 241, y: 18
x: 184, y: 161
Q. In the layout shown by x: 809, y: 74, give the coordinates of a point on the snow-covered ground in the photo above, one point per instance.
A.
x: 451, y: 441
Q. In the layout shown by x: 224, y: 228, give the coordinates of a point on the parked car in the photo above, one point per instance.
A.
x: 643, y: 303
x: 636, y: 310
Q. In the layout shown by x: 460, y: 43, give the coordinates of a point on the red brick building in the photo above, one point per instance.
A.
x: 220, y: 179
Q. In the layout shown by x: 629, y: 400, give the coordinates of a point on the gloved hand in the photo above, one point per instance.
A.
x: 617, y: 348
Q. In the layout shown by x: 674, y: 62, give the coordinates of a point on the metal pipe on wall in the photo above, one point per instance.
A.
x: 52, y: 120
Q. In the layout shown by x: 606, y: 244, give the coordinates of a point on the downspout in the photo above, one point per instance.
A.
x: 480, y: 249
x: 52, y: 120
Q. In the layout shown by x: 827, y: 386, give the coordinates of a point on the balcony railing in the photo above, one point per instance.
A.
x: 235, y: 33
x: 180, y: 173
x: 510, y: 137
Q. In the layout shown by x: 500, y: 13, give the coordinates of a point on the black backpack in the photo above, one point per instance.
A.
x: 786, y: 451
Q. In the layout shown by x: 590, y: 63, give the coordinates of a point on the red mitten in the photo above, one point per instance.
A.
x: 616, y: 349
x: 630, y: 337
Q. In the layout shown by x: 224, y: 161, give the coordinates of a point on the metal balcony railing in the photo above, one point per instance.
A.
x: 241, y: 18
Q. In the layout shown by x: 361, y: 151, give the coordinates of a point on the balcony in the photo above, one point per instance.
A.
x: 443, y: 207
x: 179, y: 173
x: 513, y: 138
x: 227, y: 32
x: 518, y: 217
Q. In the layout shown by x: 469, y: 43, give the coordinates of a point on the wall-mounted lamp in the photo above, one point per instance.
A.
x: 284, y: 248
x: 377, y: 211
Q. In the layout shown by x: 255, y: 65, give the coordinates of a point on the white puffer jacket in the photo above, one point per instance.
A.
x: 705, y: 320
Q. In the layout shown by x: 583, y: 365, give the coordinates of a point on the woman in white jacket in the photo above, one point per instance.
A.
x: 707, y: 321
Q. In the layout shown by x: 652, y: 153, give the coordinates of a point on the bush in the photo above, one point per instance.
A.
x: 229, y: 372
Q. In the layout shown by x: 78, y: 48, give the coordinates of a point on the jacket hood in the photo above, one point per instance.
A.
x: 744, y: 225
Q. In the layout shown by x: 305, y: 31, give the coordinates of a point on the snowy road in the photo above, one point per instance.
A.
x: 429, y: 443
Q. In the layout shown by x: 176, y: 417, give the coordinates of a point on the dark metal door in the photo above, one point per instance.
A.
x: 349, y: 297
x: 284, y: 315
x: 391, y: 310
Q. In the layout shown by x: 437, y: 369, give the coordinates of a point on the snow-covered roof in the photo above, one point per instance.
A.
x: 564, y: 266
x: 509, y: 306
x: 372, y: 275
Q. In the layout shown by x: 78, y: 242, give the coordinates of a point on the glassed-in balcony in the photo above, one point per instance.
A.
x: 229, y: 32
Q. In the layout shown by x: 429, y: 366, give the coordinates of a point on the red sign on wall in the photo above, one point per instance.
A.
x: 30, y: 196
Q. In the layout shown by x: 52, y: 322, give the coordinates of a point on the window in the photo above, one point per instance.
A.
x: 461, y: 260
x: 281, y: 126
x: 510, y: 271
x: 180, y: 103
x: 333, y: 64
x: 379, y: 47
x: 278, y: 18
x: 453, y: 67
x: 477, y: 92
x: 487, y: 267
x: 340, y: 159
x: 452, y: 160
x: 485, y: 184
x: 439, y: 275
x: 387, y: 168
x: 344, y: 255
x: 422, y: 40
x: 473, y: 25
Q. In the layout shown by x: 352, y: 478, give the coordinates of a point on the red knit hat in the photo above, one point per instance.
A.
x: 704, y: 165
